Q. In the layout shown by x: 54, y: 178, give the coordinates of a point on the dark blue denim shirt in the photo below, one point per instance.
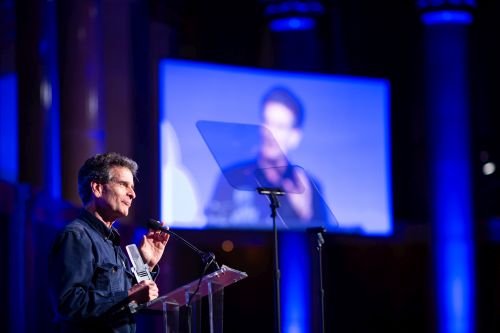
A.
x: 90, y: 276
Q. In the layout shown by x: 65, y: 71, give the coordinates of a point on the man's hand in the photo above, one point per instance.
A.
x: 143, y: 292
x: 152, y: 247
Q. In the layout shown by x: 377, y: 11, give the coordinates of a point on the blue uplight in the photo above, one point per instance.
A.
x: 292, y: 24
x: 454, y: 249
x: 8, y: 128
x: 295, y: 282
x: 452, y: 213
x: 447, y: 17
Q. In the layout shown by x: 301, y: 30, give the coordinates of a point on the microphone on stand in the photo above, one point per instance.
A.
x: 208, y: 258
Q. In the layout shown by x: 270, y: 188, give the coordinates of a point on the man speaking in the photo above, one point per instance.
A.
x: 91, y: 283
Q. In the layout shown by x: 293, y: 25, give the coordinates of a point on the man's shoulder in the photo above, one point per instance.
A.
x: 75, y: 232
x: 77, y: 224
x: 78, y: 227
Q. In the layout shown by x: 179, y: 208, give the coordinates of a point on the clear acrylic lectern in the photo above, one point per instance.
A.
x: 211, y: 285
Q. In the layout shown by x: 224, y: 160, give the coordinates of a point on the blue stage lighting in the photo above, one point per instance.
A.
x: 292, y: 24
x: 8, y: 128
x: 447, y: 17
x: 453, y: 222
x: 295, y: 282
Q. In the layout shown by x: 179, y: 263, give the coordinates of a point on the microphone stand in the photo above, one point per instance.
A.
x: 318, y: 234
x: 207, y: 258
x: 273, y: 193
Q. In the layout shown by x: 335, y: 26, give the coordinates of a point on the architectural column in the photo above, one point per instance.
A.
x: 82, y: 118
x: 447, y: 102
x: 37, y: 111
x: 30, y: 113
x: 38, y: 95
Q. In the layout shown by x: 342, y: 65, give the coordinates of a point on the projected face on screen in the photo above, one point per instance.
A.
x: 225, y: 131
x: 281, y: 115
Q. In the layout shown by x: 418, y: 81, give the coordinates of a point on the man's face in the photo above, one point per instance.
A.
x: 279, y: 120
x: 115, y: 197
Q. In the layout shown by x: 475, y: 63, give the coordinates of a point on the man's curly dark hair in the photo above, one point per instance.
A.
x: 97, y: 169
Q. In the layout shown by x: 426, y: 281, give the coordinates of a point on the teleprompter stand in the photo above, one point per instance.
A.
x: 212, y: 286
x: 273, y: 194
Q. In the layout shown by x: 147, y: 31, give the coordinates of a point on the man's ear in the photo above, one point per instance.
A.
x: 97, y: 189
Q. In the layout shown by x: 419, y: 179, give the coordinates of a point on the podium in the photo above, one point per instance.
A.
x: 211, y: 285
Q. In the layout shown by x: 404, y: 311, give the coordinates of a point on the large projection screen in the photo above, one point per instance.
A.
x: 343, y: 145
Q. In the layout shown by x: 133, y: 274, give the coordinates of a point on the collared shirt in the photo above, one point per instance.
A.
x: 89, y: 277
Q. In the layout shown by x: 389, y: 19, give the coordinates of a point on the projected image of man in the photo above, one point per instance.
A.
x: 282, y: 116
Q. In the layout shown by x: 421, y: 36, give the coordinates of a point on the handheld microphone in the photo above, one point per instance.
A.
x: 139, y: 268
x: 207, y: 258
